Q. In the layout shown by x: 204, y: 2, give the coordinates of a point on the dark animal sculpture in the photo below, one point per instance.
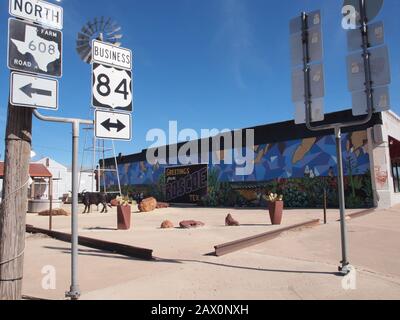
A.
x: 95, y: 198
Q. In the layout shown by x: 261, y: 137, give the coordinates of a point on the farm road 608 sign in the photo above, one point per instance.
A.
x: 34, y: 49
x: 111, y: 88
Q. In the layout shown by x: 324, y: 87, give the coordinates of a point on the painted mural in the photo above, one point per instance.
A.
x: 300, y: 169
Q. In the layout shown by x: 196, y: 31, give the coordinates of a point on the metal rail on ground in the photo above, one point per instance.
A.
x: 234, y: 246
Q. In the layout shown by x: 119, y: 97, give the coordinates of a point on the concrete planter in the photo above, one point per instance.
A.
x: 124, y: 217
x: 36, y: 206
x: 276, y: 212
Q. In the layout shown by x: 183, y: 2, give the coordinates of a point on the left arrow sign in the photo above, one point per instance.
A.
x: 29, y: 90
x: 33, y: 91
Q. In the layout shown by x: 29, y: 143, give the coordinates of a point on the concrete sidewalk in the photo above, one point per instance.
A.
x: 297, y: 265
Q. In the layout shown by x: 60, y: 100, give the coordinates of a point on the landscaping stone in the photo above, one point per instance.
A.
x: 162, y: 205
x: 230, y: 222
x: 148, y: 205
x: 167, y: 225
x: 190, y: 224
x: 55, y: 213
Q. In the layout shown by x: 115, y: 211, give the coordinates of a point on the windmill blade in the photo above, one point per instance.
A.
x: 83, y: 51
x: 86, y: 31
x: 88, y: 58
x: 86, y: 55
x: 114, y: 30
x: 103, y: 29
x: 95, y: 25
x: 90, y: 27
x: 81, y: 42
x: 107, y: 24
x: 82, y: 38
x: 82, y: 46
x: 116, y: 37
x: 114, y: 26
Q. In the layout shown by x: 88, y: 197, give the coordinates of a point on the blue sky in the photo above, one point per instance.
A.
x: 206, y: 64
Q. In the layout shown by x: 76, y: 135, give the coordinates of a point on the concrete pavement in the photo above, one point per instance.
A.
x: 297, y: 265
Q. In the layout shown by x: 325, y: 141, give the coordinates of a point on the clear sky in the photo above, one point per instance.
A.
x: 206, y: 64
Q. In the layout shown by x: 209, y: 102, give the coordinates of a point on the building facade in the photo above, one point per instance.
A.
x: 62, y: 179
x: 289, y: 160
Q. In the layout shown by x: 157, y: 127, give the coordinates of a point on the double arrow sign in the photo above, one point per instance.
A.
x: 118, y: 125
x: 113, y: 125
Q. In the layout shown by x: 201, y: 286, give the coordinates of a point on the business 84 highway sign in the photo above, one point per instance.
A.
x: 111, y: 88
x: 34, y: 49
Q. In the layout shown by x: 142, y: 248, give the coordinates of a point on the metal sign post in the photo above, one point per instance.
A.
x: 74, y: 292
x: 337, y: 127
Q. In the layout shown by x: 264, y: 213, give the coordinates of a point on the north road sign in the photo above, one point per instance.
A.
x: 34, y: 49
x: 113, y: 125
x: 33, y: 92
x: 41, y: 12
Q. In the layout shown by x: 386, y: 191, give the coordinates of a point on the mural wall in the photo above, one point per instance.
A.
x: 299, y: 169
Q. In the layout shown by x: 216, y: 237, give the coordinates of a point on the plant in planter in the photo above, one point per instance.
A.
x: 275, y: 205
x: 124, y: 214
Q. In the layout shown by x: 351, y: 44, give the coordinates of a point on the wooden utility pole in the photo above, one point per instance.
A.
x: 14, y: 206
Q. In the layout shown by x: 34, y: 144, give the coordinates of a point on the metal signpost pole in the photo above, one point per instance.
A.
x: 74, y: 292
x: 337, y: 127
x: 342, y: 201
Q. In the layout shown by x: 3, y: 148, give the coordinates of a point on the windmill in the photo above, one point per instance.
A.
x: 103, y: 29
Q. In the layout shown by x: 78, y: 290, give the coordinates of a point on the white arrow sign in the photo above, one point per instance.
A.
x: 113, y: 125
x: 38, y: 11
x: 33, y: 91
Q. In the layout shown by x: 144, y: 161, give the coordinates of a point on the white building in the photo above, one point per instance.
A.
x: 62, y: 179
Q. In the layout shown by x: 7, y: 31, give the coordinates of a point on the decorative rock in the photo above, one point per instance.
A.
x: 148, y: 205
x: 167, y: 225
x: 162, y: 205
x: 230, y: 222
x: 55, y: 213
x: 190, y: 224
